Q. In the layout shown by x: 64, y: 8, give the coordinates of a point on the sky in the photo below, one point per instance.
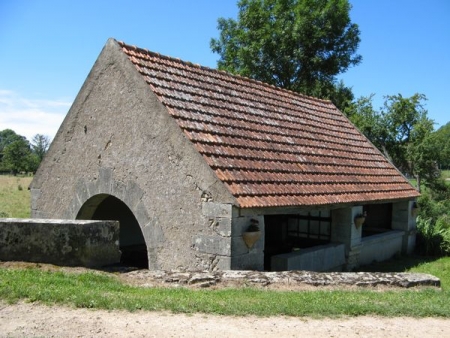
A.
x: 47, y: 48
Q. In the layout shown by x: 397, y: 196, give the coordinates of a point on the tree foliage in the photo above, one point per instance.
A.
x: 18, y: 155
x: 8, y: 136
x: 442, y: 136
x: 40, y: 144
x: 402, y: 131
x: 299, y: 45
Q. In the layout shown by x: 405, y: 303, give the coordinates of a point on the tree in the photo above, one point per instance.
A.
x: 17, y: 156
x: 422, y: 153
x: 7, y: 136
x: 299, y: 45
x: 403, y: 118
x: 443, y: 139
x: 403, y: 132
x: 40, y: 144
x: 369, y: 121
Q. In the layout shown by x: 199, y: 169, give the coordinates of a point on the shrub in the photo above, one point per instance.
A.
x: 433, y: 238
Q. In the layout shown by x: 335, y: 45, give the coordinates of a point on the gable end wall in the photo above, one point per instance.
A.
x: 118, y: 139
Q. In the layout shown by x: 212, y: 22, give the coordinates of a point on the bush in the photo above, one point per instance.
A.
x: 433, y: 238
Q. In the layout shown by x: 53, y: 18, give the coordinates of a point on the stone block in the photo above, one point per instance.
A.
x: 133, y: 194
x: 140, y: 212
x: 214, y: 210
x: 35, y: 195
x: 119, y: 190
x: 82, y: 192
x: 213, y: 245
x: 223, y: 263
x: 222, y: 226
x: 60, y: 242
x: 153, y: 234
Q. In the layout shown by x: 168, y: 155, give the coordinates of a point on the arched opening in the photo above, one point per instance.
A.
x: 131, y: 240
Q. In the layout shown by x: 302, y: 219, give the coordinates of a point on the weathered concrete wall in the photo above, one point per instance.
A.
x: 403, y: 218
x: 60, y: 242
x: 343, y: 230
x: 118, y: 139
x: 381, y: 247
x: 330, y: 257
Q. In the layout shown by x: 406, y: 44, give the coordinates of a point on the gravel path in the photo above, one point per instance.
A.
x: 34, y: 320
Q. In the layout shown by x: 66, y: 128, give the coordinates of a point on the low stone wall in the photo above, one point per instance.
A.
x: 60, y: 242
x: 329, y: 257
x: 380, y: 247
x: 284, y: 280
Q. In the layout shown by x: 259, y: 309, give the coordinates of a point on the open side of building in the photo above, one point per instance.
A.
x: 187, y: 158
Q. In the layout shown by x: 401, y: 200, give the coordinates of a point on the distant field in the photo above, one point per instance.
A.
x: 445, y: 174
x: 15, y: 196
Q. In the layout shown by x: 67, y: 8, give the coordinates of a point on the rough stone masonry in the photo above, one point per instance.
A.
x: 60, y: 242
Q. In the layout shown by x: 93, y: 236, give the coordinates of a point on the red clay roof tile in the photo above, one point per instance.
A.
x: 270, y: 147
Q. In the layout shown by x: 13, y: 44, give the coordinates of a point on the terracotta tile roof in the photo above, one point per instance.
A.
x: 270, y: 147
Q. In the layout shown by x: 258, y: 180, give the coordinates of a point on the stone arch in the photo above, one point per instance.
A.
x: 129, y: 192
x: 131, y: 238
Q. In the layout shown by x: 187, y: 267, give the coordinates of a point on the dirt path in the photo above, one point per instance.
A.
x: 33, y: 320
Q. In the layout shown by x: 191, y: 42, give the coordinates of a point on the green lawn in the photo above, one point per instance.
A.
x: 15, y: 196
x: 105, y: 291
x: 446, y: 175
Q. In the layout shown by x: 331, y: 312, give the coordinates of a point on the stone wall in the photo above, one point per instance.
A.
x: 60, y: 242
x: 119, y: 140
x: 381, y: 247
x: 329, y: 257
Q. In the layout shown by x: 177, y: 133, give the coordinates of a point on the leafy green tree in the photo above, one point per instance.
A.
x: 422, y: 153
x: 443, y: 140
x: 403, y: 132
x: 39, y: 145
x: 407, y: 125
x: 17, y: 156
x: 369, y: 121
x: 299, y: 45
x: 7, y: 136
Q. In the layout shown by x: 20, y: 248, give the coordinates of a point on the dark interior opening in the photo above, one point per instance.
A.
x: 288, y: 233
x: 378, y: 219
x: 131, y: 240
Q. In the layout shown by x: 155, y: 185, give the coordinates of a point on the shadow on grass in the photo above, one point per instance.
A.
x: 397, y: 264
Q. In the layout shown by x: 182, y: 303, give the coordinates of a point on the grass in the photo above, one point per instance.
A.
x: 445, y: 174
x: 102, y: 291
x: 15, y: 196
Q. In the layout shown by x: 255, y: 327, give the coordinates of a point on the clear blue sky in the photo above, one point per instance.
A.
x: 47, y: 48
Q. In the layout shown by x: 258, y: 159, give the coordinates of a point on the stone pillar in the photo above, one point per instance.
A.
x: 404, y: 218
x: 343, y: 230
x: 216, y: 246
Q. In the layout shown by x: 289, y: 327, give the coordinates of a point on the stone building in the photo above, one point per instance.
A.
x: 187, y: 157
